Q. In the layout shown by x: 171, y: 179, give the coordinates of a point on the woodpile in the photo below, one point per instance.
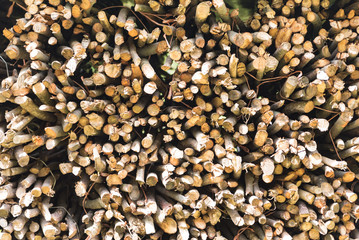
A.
x: 178, y: 120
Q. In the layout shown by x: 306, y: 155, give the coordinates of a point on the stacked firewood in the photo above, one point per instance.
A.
x: 177, y: 120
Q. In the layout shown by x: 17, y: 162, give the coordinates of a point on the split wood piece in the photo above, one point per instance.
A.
x: 288, y: 87
x: 258, y: 65
x: 150, y: 73
x: 27, y: 104
x: 299, y: 107
x: 202, y: 12
x: 341, y: 123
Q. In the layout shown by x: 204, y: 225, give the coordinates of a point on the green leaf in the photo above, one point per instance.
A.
x: 331, y: 3
x: 245, y: 7
x: 218, y: 18
x: 162, y: 59
x: 128, y: 3
x: 173, y: 68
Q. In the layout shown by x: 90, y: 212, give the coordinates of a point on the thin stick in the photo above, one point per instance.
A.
x: 335, y: 148
x: 86, y: 195
x: 7, y: 69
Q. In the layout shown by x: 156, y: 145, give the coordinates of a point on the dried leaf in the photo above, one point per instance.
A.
x: 11, y: 9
